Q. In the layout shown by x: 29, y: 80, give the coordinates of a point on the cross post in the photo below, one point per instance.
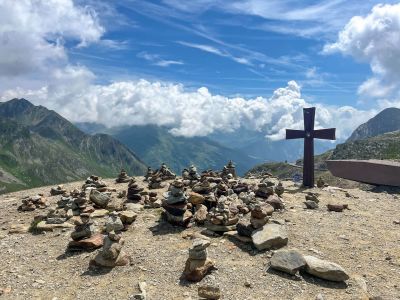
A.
x: 308, y: 134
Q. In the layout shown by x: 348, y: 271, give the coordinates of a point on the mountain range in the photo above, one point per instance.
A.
x: 39, y: 147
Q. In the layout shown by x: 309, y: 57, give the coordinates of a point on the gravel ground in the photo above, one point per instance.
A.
x: 365, y: 240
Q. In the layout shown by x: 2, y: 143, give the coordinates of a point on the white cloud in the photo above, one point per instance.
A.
x: 156, y: 59
x: 374, y: 38
x: 216, y: 51
x: 187, y: 113
x: 33, y: 33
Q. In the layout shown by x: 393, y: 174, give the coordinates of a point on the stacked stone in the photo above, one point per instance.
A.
x: 198, y: 265
x: 114, y: 223
x: 165, y: 173
x: 222, y: 189
x: 240, y: 187
x: 223, y: 217
x: 33, y: 202
x: 311, y: 201
x: 176, y: 204
x: 111, y: 255
x: 99, y: 199
x: 156, y: 182
x: 84, y: 236
x: 206, y: 189
x: 265, y: 189
x: 190, y: 176
x: 320, y: 183
x: 58, y: 190
x: 279, y: 189
x: 57, y: 216
x: 229, y: 171
x: 210, y: 176
x: 94, y: 182
x: 153, y: 200
x: 260, y: 215
x: 149, y: 174
x: 122, y: 177
x: 133, y: 194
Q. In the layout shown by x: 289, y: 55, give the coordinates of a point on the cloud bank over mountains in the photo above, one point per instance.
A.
x: 34, y: 64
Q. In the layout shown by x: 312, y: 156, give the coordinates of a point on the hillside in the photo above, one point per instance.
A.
x: 385, y: 146
x: 386, y: 121
x: 156, y: 145
x: 38, y: 146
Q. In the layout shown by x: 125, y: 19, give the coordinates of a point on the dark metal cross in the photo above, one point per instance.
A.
x: 309, y: 134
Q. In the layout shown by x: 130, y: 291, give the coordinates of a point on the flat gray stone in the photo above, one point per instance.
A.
x: 270, y: 236
x: 325, y: 269
x: 219, y: 228
x: 288, y: 261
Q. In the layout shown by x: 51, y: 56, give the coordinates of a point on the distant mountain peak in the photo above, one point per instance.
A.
x: 387, y: 120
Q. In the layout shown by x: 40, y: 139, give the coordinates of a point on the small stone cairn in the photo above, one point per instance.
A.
x: 175, y: 204
x: 133, y: 194
x: 198, y: 265
x: 311, y: 200
x: 223, y: 217
x: 84, y: 236
x: 30, y: 203
x: 165, y: 173
x: 94, y: 182
x: 58, y: 190
x: 111, y: 255
x: 122, y: 177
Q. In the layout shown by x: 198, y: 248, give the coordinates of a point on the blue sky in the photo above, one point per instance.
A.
x: 204, y: 66
x: 244, y: 57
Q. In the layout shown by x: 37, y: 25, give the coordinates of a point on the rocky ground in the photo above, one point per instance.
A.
x: 364, y: 240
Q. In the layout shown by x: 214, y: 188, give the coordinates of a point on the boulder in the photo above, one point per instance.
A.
x: 200, y: 216
x: 91, y: 243
x: 196, y: 198
x: 311, y: 204
x: 99, y: 199
x: 275, y: 202
x: 127, y: 216
x: 325, y: 269
x: 244, y: 228
x: 270, y: 236
x: 288, y: 261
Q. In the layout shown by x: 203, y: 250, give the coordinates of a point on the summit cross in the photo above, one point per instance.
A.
x: 309, y: 134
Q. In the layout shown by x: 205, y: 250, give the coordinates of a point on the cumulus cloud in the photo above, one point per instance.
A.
x: 33, y: 33
x: 375, y: 39
x: 187, y: 113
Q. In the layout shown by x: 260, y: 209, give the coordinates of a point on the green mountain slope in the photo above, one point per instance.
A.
x: 156, y: 145
x: 386, y: 121
x: 38, y: 147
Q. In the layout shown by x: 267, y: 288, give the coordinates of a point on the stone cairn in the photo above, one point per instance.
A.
x: 311, y: 201
x: 133, y: 194
x: 149, y: 174
x: 58, y: 190
x: 190, y: 177
x: 266, y: 192
x: 114, y: 223
x: 165, y: 173
x: 153, y: 201
x: 206, y: 190
x: 111, y: 255
x: 175, y: 204
x: 198, y: 264
x: 229, y: 169
x: 122, y: 177
x: 84, y: 236
x: 94, y: 182
x: 223, y: 217
x: 30, y: 203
